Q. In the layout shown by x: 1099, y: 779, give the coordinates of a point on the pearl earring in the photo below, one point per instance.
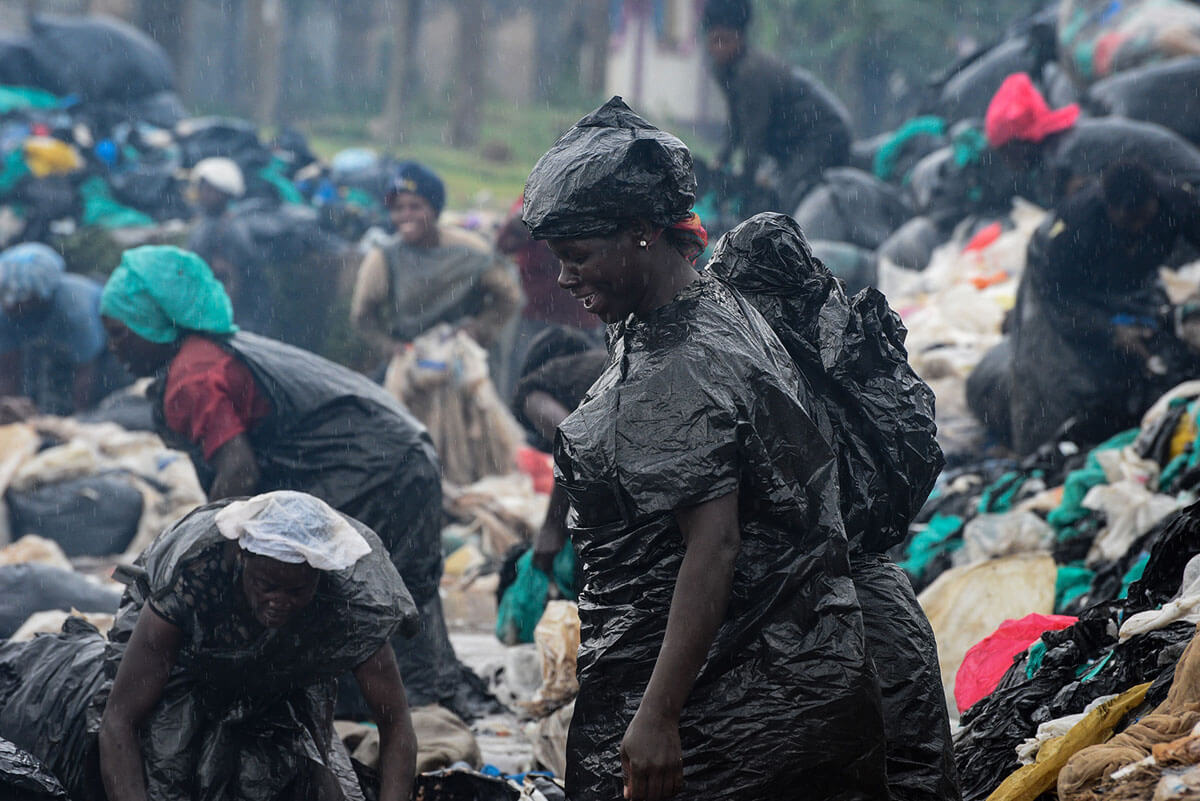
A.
x: 643, y: 243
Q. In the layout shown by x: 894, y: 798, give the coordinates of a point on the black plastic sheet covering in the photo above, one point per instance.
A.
x: 91, y: 516
x: 1138, y: 94
x: 851, y: 352
x: 237, y: 719
x: 853, y: 206
x: 699, y: 400
x: 29, y: 588
x: 879, y: 417
x: 98, y: 58
x: 612, y: 166
x: 23, y: 778
x: 1081, y: 663
x: 335, y: 434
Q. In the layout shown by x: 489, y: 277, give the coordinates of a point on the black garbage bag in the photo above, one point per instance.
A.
x: 857, y: 267
x: 337, y: 435
x: 98, y: 58
x: 1058, y: 86
x: 211, y: 137
x: 161, y: 109
x: 463, y: 785
x: 29, y: 588
x: 24, y: 778
x: 92, y: 516
x: 130, y: 410
x: 879, y: 417
x: 1141, y: 94
x: 851, y: 352
x: 283, y: 233
x: 989, y: 391
x: 853, y: 206
x: 569, y: 195
x: 913, y: 243
x: 152, y: 188
x: 17, y: 64
x: 968, y: 92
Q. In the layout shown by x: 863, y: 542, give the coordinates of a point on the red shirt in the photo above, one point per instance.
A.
x: 211, y: 397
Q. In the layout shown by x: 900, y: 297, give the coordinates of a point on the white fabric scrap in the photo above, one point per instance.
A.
x: 1185, y: 607
x: 293, y: 527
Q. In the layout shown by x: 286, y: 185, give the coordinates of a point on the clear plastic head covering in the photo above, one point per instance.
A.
x: 293, y: 527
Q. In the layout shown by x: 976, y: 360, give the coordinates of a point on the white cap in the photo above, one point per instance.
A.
x: 293, y: 527
x: 221, y: 174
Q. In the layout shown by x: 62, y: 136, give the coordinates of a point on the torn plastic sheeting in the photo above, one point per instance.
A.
x: 988, y: 660
x: 1185, y: 607
x: 1131, y: 510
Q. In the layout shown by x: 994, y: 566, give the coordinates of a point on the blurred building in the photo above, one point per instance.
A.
x: 657, y: 61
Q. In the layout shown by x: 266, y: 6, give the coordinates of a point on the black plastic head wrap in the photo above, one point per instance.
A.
x: 851, y: 352
x: 611, y: 168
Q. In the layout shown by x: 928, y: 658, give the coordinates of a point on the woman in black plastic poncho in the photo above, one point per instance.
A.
x: 722, y: 652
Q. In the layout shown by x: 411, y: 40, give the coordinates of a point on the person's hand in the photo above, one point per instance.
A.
x: 652, y: 758
x: 16, y: 409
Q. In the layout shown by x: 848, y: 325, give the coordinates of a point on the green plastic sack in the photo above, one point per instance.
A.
x: 102, y: 209
x: 944, y: 533
x: 12, y: 171
x: 273, y: 174
x: 525, y: 600
x: 1079, y: 483
x: 21, y: 98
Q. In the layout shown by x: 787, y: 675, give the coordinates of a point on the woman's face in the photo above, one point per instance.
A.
x: 276, y: 591
x: 414, y: 218
x: 606, y: 274
x: 140, y: 356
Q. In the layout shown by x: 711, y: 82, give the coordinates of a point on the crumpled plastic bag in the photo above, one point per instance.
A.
x: 292, y: 527
x: 611, y: 166
x: 988, y: 660
x: 557, y: 638
x: 1005, y: 534
x: 23, y: 778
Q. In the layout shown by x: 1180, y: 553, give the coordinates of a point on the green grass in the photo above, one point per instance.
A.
x: 522, y: 133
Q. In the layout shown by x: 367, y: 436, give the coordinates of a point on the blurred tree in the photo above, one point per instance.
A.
x: 594, y: 66
x: 355, y: 19
x: 402, y: 16
x: 468, y: 87
x: 167, y: 22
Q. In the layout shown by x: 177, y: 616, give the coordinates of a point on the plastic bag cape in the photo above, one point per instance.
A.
x: 851, y: 352
x: 336, y: 435
x: 233, y: 722
x: 700, y: 399
x: 612, y: 166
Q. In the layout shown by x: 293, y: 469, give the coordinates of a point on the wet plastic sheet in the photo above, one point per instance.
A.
x: 785, y: 698
x: 98, y: 58
x: 23, y: 778
x: 853, y: 206
x: 29, y: 588
x: 1138, y: 94
x: 879, y: 416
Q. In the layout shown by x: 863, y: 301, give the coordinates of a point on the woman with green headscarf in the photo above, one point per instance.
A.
x: 257, y: 415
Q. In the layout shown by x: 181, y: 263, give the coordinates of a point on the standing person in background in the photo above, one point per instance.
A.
x: 52, y: 344
x: 775, y: 111
x: 257, y: 415
x: 546, y: 306
x: 432, y: 274
x: 226, y: 245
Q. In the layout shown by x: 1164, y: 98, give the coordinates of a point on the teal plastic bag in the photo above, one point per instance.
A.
x: 525, y: 600
x: 102, y: 209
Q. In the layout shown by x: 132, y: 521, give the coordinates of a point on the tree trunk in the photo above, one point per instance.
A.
x: 264, y: 40
x: 389, y: 125
x: 468, y: 80
x: 355, y: 19
x: 594, y: 65
x: 168, y: 22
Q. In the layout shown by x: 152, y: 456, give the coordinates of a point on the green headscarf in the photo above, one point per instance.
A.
x: 159, y: 291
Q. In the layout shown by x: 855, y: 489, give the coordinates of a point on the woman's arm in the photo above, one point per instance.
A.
x: 552, y: 536
x: 236, y: 467
x: 651, y: 755
x: 379, y: 679
x: 136, y: 690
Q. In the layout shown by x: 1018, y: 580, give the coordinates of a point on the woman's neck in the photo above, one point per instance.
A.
x: 676, y: 274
